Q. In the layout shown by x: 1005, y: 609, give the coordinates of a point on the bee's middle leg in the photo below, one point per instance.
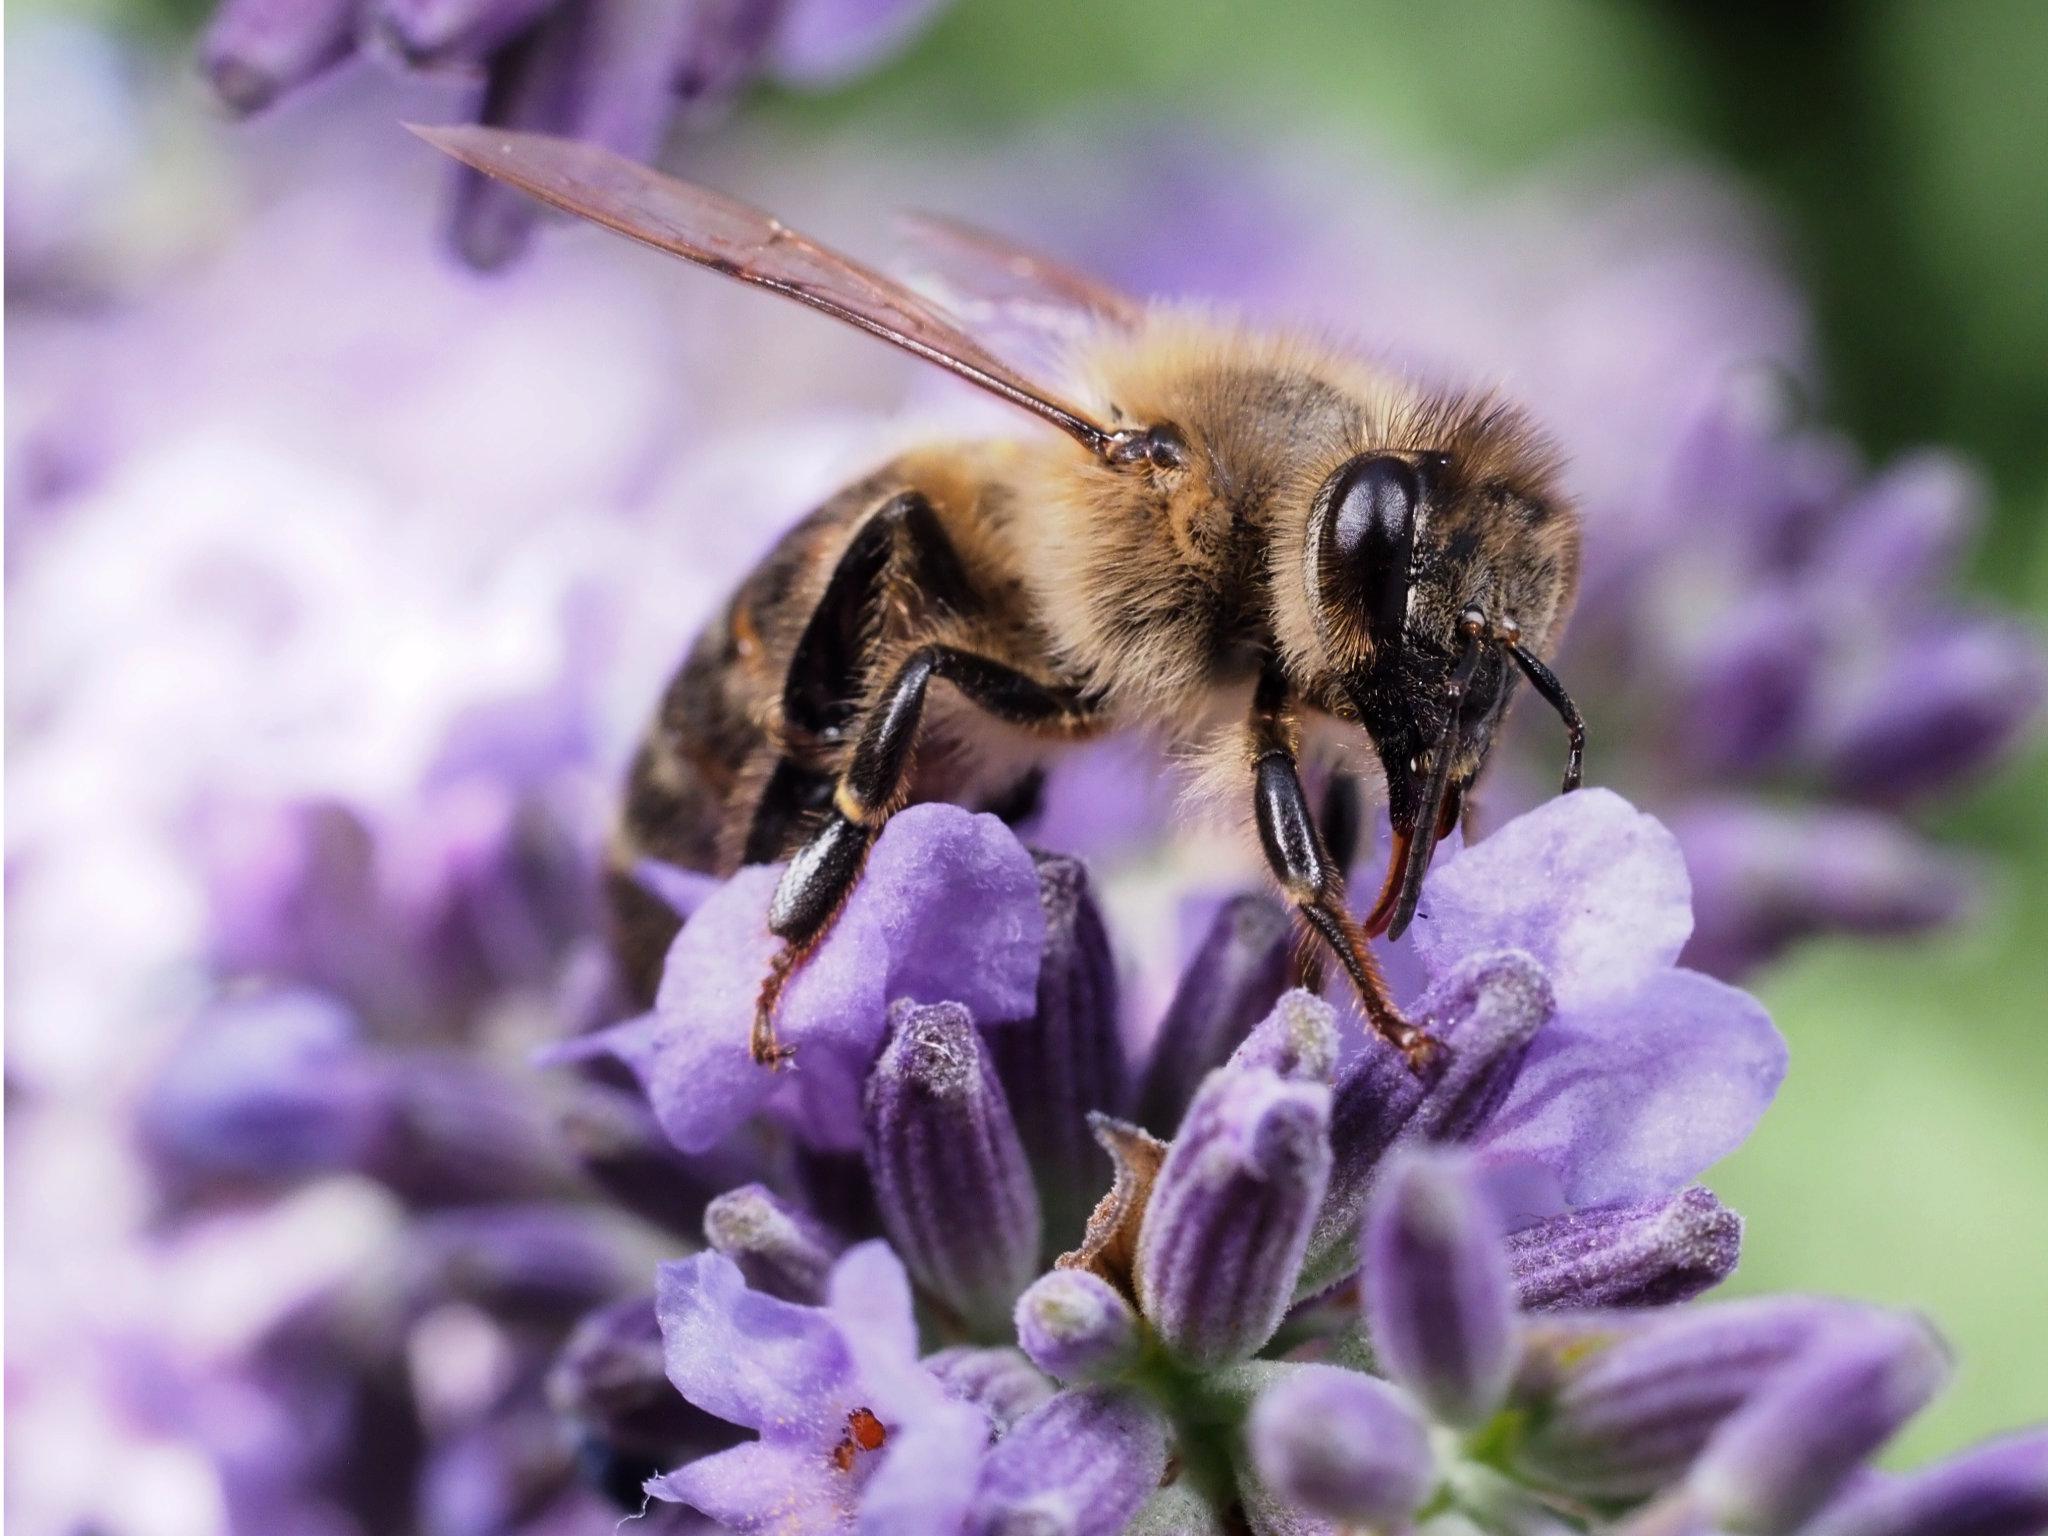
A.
x: 824, y: 869
x: 1306, y: 870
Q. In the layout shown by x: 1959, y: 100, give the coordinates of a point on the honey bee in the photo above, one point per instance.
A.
x: 1250, y: 543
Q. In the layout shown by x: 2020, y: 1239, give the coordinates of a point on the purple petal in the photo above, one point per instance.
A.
x: 1589, y: 886
x: 1342, y: 1445
x: 749, y: 1358
x: 1633, y: 1098
x: 927, y: 1475
x: 1081, y: 1465
x: 868, y: 1298
x: 1439, y: 1298
x: 609, y: 1379
x: 764, y: 1486
x: 1781, y: 1456
x: 946, y: 909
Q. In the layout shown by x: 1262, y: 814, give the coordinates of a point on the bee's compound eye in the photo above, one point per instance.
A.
x: 1166, y: 448
x: 1370, y: 535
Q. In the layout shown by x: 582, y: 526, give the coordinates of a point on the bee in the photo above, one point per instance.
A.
x: 1250, y: 543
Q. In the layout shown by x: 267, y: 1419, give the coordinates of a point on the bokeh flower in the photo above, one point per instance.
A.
x: 615, y: 72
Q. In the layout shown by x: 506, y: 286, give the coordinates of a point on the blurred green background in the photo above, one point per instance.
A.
x: 1903, y: 149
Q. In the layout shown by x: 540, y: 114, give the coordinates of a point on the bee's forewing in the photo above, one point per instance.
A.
x: 729, y: 236
x: 1011, y: 295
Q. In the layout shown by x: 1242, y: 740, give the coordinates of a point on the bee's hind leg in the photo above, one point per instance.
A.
x: 1310, y: 874
x: 826, y: 867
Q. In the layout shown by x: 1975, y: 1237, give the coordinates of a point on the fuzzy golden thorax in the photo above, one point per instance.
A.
x: 1164, y: 584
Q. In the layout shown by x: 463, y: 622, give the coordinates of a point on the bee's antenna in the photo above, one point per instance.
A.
x: 1431, y: 810
x: 1545, y: 682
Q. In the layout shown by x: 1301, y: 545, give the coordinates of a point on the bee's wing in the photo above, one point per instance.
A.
x: 730, y: 237
x: 1010, y: 294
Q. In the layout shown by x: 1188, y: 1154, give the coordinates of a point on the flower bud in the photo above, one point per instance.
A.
x: 1646, y: 1254
x: 1076, y: 1326
x: 1068, y: 1058
x: 1343, y: 1445
x: 1485, y: 1013
x: 1439, y: 1298
x: 780, y: 1249
x: 1627, y: 1417
x: 1783, y: 1454
x: 1297, y: 1039
x: 1082, y: 1465
x: 256, y: 50
x: 949, y: 1171
x: 432, y: 34
x: 1949, y: 701
x: 1237, y: 973
x: 1230, y: 1212
x: 1999, y: 1489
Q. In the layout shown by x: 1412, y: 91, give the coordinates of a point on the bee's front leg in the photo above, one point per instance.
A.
x: 823, y: 872
x: 1302, y: 863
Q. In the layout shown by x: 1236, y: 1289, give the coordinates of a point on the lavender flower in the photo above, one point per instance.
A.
x: 850, y: 1424
x: 299, y: 928
x: 611, y: 71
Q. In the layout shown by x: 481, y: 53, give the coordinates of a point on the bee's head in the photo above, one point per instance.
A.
x: 1436, y: 577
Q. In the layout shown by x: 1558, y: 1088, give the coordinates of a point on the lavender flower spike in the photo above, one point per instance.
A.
x: 1439, y: 1298
x: 1230, y: 1213
x: 780, y: 1249
x: 1781, y: 1456
x: 2000, y: 1489
x: 1076, y: 1326
x: 1080, y: 1466
x: 1343, y: 1445
x: 1643, y: 1254
x: 950, y: 1176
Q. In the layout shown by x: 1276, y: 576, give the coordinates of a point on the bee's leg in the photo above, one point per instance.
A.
x: 1312, y: 878
x: 825, y: 868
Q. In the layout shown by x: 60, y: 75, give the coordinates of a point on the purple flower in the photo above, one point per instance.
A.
x: 614, y: 72
x: 946, y: 911
x: 854, y: 1433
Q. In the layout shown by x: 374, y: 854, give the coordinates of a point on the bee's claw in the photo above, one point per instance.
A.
x: 1423, y: 1050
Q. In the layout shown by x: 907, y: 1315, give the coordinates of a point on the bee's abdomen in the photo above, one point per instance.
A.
x: 686, y: 787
